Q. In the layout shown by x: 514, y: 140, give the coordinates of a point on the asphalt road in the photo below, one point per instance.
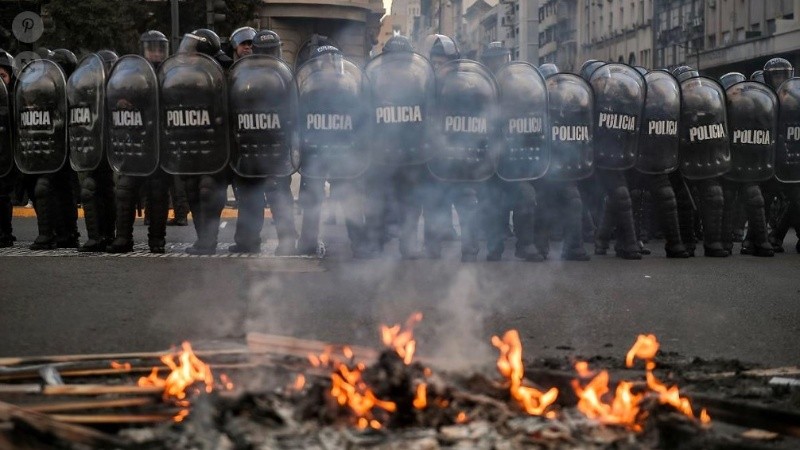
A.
x: 742, y: 307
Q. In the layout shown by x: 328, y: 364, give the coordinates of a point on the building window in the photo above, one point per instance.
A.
x: 726, y: 38
x: 771, y: 26
x: 673, y: 18
x: 740, y: 34
x: 662, y: 21
x: 641, y: 12
x: 712, y: 40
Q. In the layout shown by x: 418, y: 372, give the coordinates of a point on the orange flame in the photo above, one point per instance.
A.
x: 461, y: 417
x: 623, y: 408
x: 671, y: 395
x: 534, y: 401
x: 421, y: 397
x: 705, y: 419
x: 645, y: 347
x: 402, y: 339
x: 183, y: 373
x: 122, y: 366
x: 227, y: 384
x: 349, y: 389
x: 582, y: 367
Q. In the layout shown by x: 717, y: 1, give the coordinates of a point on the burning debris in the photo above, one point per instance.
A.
x: 292, y: 393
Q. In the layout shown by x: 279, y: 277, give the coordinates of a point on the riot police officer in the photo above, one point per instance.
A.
x: 86, y: 94
x: 272, y: 173
x: 49, y: 181
x: 401, y: 85
x: 437, y: 197
x: 753, y: 120
x: 154, y: 47
x: 779, y: 75
x: 9, y: 174
x: 206, y: 186
x: 704, y: 151
x: 332, y: 132
x: 512, y: 190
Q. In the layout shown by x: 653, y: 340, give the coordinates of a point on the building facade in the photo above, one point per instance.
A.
x: 353, y: 24
x: 615, y: 30
x: 558, y: 33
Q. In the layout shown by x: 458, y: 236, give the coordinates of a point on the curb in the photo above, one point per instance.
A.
x: 227, y: 213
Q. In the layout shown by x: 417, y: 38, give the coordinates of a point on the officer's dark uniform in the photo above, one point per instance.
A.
x: 9, y: 66
x: 251, y: 190
x: 155, y: 48
x: 97, y: 192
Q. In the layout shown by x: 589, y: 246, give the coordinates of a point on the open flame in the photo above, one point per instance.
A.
x: 349, y: 389
x: 121, y: 366
x: 185, y: 372
x: 402, y: 339
x: 421, y: 397
x: 622, y: 409
x: 509, y: 364
x: 646, y: 347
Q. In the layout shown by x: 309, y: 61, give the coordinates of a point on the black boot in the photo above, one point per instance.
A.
x: 43, y: 202
x: 126, y: 193
x: 667, y: 208
x: 712, y: 210
x: 757, y: 220
x: 605, y: 231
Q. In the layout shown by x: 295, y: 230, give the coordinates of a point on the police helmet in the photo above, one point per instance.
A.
x: 267, y: 42
x: 398, y: 43
x: 154, y: 46
x: 758, y: 75
x: 201, y: 40
x: 309, y: 47
x: 66, y: 59
x: 731, y: 78
x: 495, y: 55
x: 548, y: 70
x: 642, y: 70
x: 109, y: 57
x: 440, y: 46
x: 588, y: 68
x: 242, y: 35
x: 776, y: 71
x: 684, y: 73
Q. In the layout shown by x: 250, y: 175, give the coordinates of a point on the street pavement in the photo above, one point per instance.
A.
x: 742, y: 307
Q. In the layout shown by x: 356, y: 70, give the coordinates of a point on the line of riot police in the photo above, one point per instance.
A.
x: 414, y: 132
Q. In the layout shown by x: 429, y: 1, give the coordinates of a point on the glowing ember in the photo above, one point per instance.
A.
x: 461, y: 417
x: 645, y: 347
x: 705, y: 419
x: 299, y: 382
x: 421, y: 397
x: 227, y: 384
x: 622, y: 409
x: 533, y: 401
x: 402, y: 339
x: 185, y: 372
x: 582, y: 367
x: 349, y: 389
x: 121, y: 366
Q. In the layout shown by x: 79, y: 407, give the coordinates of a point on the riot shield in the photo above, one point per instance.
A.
x: 753, y: 125
x: 40, y: 104
x: 401, y: 87
x: 86, y: 102
x: 704, y: 146
x: 570, y: 109
x: 194, y: 118
x: 332, y: 118
x: 6, y: 142
x: 525, y: 153
x: 619, y: 96
x: 262, y: 105
x: 132, y: 112
x: 658, y: 140
x: 464, y: 132
x: 787, y: 153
